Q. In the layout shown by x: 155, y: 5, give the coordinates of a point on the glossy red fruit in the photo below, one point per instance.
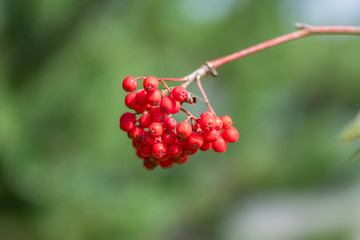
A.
x: 136, y: 133
x: 211, y: 136
x: 175, y: 150
x: 140, y: 154
x: 149, y: 164
x: 136, y: 144
x: 159, y: 150
x: 206, y: 146
x: 179, y: 93
x: 168, y: 104
x: 218, y: 123
x: 127, y: 124
x: 147, y: 139
x: 227, y: 121
x: 156, y: 129
x: 207, y: 122
x: 177, y: 107
x: 130, y: 100
x: 157, y: 115
x: 151, y: 83
x: 189, y: 150
x: 169, y: 123
x: 231, y: 134
x: 219, y: 145
x: 183, y: 159
x: 145, y: 120
x: 129, y: 115
x: 167, y: 163
x: 168, y: 137
x: 140, y: 98
x: 183, y: 129
x: 154, y: 97
x: 129, y: 84
x: 195, y: 140
x: 146, y: 150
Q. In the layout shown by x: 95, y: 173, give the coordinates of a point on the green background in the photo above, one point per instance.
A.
x: 68, y: 172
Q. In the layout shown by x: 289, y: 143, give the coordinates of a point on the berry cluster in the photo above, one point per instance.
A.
x: 157, y: 137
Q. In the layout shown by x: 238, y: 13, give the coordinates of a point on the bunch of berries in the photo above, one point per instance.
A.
x: 157, y: 137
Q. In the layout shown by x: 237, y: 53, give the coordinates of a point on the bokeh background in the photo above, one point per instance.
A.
x: 68, y: 172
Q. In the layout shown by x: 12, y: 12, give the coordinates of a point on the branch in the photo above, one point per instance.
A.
x: 304, y: 30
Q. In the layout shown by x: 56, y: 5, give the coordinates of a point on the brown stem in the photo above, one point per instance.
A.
x: 198, y: 77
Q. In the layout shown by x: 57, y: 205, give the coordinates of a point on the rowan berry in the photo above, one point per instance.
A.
x: 154, y: 97
x: 211, y: 136
x: 168, y: 137
x: 129, y: 84
x: 127, y: 124
x: 195, y: 140
x: 159, y: 150
x: 136, y: 144
x: 128, y: 115
x: 145, y: 120
x: 177, y: 107
x: 140, y: 154
x: 167, y: 163
x: 183, y: 159
x: 151, y: 83
x: 130, y: 100
x: 183, y: 129
x: 157, y: 115
x: 207, y: 122
x: 146, y: 150
x: 169, y: 123
x: 227, y: 121
x: 136, y: 133
x: 140, y: 98
x: 219, y: 145
x: 175, y: 150
x: 179, y: 93
x: 168, y: 104
x: 230, y: 134
x: 206, y: 146
x: 218, y: 123
x: 156, y: 129
x: 148, y: 164
x: 189, y: 150
x: 147, y: 138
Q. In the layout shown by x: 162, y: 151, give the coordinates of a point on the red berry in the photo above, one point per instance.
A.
x: 136, y: 133
x: 179, y: 93
x: 183, y: 129
x: 219, y: 145
x: 151, y: 83
x: 136, y: 144
x: 147, y: 138
x: 169, y: 123
x: 128, y: 115
x: 157, y: 115
x: 146, y: 150
x: 154, y: 97
x: 175, y: 150
x: 195, y: 140
x: 168, y: 137
x: 140, y: 154
x: 130, y: 100
x: 156, y: 129
x: 177, y: 107
x: 129, y: 84
x: 227, y: 121
x: 206, y: 146
x: 168, y: 104
x: 149, y: 164
x: 145, y: 120
x: 231, y: 134
x: 211, y: 136
x: 183, y: 159
x: 207, y: 122
x: 218, y: 123
x: 127, y: 124
x: 159, y: 150
x: 189, y: 150
x: 140, y: 98
x: 167, y: 163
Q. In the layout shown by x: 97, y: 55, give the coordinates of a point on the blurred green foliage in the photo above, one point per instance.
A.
x: 66, y: 170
